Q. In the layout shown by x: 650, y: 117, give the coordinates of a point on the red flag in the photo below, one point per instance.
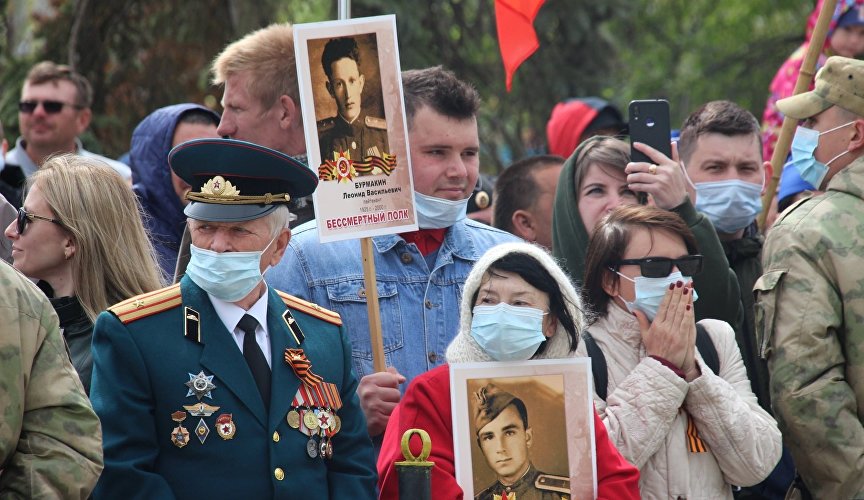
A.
x: 516, y: 37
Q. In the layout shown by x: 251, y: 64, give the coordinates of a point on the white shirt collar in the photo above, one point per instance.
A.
x: 230, y: 313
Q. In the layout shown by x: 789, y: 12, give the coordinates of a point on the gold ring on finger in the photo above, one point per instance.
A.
x: 652, y: 169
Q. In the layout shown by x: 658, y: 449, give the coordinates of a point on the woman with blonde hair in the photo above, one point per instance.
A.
x: 81, y: 235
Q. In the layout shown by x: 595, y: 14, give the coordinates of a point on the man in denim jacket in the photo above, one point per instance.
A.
x: 420, y: 274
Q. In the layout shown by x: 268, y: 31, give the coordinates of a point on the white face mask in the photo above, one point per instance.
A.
x: 438, y: 213
x: 228, y: 276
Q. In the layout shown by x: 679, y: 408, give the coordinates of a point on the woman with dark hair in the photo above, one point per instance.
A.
x: 692, y: 429
x: 511, y: 280
x: 599, y: 177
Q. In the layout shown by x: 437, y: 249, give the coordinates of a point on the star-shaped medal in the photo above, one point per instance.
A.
x: 200, y: 385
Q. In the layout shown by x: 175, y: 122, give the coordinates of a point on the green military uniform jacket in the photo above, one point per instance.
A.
x: 534, y: 485
x: 147, y: 348
x: 365, y: 136
x: 50, y: 439
x: 810, y: 322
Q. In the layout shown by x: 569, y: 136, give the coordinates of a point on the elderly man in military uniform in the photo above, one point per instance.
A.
x: 504, y: 437
x: 351, y: 131
x: 219, y: 386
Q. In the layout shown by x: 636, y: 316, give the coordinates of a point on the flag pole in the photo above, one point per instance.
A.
x: 805, y: 77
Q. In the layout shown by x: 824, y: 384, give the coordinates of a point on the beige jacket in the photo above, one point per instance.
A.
x: 648, y: 405
x: 50, y: 438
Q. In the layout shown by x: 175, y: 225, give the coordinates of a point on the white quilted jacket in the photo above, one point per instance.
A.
x: 648, y: 405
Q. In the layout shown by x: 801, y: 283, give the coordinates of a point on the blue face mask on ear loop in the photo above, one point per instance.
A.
x: 228, y: 276
x: 650, y: 292
x: 508, y: 333
x: 803, y: 147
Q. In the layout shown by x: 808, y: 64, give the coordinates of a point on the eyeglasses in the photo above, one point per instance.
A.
x: 660, y: 267
x: 25, y: 217
x: 50, y: 107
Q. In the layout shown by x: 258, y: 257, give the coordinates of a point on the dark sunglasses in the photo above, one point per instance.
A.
x: 50, y: 107
x: 660, y: 267
x: 25, y: 217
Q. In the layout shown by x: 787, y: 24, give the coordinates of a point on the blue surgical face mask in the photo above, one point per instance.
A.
x: 438, y: 213
x: 228, y: 276
x: 803, y: 147
x: 729, y: 205
x: 650, y: 292
x: 508, y: 333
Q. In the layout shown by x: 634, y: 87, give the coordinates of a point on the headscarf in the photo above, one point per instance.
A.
x: 464, y: 348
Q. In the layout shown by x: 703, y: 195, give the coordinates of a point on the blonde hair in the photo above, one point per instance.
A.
x: 268, y: 55
x: 113, y: 258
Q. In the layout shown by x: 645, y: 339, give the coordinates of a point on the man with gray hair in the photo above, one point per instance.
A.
x: 223, y: 353
x: 810, y: 297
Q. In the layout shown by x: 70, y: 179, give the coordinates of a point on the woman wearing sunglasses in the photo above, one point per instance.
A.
x: 595, y: 180
x: 692, y: 430
x: 80, y: 235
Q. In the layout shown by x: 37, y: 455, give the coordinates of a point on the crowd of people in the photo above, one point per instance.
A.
x: 176, y: 330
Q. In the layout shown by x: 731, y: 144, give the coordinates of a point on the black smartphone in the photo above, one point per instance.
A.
x: 649, y: 124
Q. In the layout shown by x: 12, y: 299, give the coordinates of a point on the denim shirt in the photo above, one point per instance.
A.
x: 419, y: 308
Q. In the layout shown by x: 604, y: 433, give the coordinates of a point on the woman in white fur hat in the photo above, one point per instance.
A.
x: 510, y: 281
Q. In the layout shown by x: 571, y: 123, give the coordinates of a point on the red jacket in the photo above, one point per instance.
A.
x: 426, y: 405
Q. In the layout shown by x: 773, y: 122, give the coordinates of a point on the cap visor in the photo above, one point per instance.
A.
x: 803, y: 106
x: 226, y: 213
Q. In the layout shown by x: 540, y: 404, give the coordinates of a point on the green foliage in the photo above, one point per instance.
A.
x: 695, y: 51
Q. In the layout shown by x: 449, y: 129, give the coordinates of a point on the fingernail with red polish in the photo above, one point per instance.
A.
x: 685, y: 291
x: 679, y: 284
x: 671, y: 286
x: 688, y: 307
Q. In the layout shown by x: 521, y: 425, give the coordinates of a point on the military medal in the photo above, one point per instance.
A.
x: 329, y: 450
x: 322, y: 448
x: 337, y: 424
x: 324, y: 419
x: 201, y: 409
x: 225, y: 426
x: 293, y: 419
x: 312, y: 447
x: 202, y: 431
x: 179, y: 436
x: 310, y: 420
x: 200, y: 385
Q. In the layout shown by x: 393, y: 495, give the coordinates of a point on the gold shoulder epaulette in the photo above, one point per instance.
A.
x: 310, y: 308
x: 326, y: 124
x: 375, y: 122
x: 147, y: 304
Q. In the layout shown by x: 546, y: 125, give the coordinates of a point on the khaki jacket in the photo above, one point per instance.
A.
x: 648, y: 406
x: 50, y: 438
x: 810, y: 323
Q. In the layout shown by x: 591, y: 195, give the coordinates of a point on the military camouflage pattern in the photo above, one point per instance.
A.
x: 50, y: 438
x: 810, y: 323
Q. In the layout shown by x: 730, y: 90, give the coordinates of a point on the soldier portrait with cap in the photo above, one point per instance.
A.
x: 505, y: 438
x: 352, y: 132
x: 202, y: 386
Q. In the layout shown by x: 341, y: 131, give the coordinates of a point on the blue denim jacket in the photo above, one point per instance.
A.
x: 419, y: 307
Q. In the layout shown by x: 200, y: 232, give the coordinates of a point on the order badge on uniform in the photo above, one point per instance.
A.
x: 225, y: 426
x: 179, y: 436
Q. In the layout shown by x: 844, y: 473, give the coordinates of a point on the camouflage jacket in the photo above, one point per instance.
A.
x: 810, y: 323
x: 50, y: 438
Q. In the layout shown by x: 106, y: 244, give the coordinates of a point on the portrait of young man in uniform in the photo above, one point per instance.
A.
x: 506, y: 439
x: 358, y: 128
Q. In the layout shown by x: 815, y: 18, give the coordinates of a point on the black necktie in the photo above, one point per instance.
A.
x: 255, y: 358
